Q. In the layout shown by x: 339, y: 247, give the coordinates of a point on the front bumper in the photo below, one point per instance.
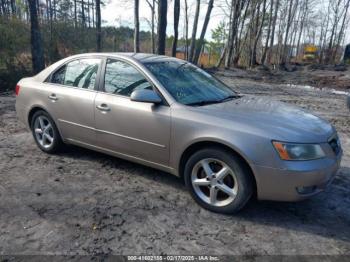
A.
x: 284, y: 184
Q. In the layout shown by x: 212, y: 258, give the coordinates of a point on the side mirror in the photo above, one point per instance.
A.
x: 146, y: 96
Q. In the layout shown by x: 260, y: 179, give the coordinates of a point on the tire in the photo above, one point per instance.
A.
x: 229, y: 192
x: 45, y: 132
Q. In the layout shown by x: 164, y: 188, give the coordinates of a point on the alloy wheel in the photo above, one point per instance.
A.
x: 214, y: 182
x: 43, y: 130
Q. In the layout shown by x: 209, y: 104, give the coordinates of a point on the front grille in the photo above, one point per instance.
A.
x: 335, y: 144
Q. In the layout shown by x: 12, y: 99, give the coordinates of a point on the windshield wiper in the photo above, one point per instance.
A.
x: 230, y: 97
x: 208, y: 102
x: 203, y: 102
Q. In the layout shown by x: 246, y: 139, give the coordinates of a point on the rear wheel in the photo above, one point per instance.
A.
x: 218, y: 180
x: 45, y: 132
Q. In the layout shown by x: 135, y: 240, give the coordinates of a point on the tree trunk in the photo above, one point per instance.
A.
x: 239, y: 37
x: 176, y: 26
x: 152, y: 33
x: 194, y: 31
x: 88, y: 14
x: 285, y: 48
x: 222, y: 56
x: 54, y: 10
x: 295, y: 24
x: 38, y: 9
x: 115, y: 42
x: 295, y: 29
x: 303, y: 17
x: 38, y: 61
x: 226, y: 46
x: 83, y: 22
x: 341, y: 32
x: 3, y: 7
x: 137, y: 27
x: 51, y: 31
x: 233, y: 31
x: 263, y: 58
x: 162, y: 24
x: 323, y: 37
x: 253, y: 27
x: 257, y: 37
x: 335, y: 24
x: 47, y: 10
x: 186, y: 30
x: 93, y: 13
x: 204, y: 29
x: 98, y: 26
x: 273, y: 31
x: 75, y: 13
x: 152, y: 7
x: 13, y: 7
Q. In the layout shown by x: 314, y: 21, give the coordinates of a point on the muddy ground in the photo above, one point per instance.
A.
x: 82, y: 202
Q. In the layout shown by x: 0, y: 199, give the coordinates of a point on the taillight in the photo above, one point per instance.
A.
x: 17, y: 90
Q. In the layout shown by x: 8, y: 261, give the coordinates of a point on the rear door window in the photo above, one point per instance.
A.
x: 58, y: 76
x: 80, y: 73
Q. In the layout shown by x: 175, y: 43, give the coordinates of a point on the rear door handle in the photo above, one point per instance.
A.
x: 103, y: 107
x: 53, y: 97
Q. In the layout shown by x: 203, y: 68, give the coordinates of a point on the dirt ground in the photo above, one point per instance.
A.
x: 82, y: 202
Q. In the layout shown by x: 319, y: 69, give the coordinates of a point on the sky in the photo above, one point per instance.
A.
x: 120, y: 13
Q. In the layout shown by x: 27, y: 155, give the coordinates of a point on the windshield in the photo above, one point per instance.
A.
x: 188, y: 84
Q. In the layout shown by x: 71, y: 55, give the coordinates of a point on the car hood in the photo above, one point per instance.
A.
x: 271, y: 118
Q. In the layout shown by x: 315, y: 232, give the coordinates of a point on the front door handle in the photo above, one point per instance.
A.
x: 103, y: 107
x: 53, y: 97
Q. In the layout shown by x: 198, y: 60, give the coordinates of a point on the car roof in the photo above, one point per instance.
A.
x: 141, y: 57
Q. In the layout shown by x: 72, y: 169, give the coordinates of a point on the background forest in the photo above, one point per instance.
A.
x: 273, y: 33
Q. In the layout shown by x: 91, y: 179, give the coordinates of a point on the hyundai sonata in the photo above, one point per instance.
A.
x: 171, y: 115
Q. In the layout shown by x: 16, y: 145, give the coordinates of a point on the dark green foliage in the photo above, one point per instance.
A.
x: 64, y: 40
x: 15, y: 59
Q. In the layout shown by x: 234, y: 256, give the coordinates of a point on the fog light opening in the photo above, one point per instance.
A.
x: 305, y: 190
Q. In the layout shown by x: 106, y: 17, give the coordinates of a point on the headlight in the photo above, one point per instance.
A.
x: 288, y: 151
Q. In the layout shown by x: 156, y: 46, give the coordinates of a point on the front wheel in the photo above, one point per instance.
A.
x: 218, y: 180
x: 45, y: 132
